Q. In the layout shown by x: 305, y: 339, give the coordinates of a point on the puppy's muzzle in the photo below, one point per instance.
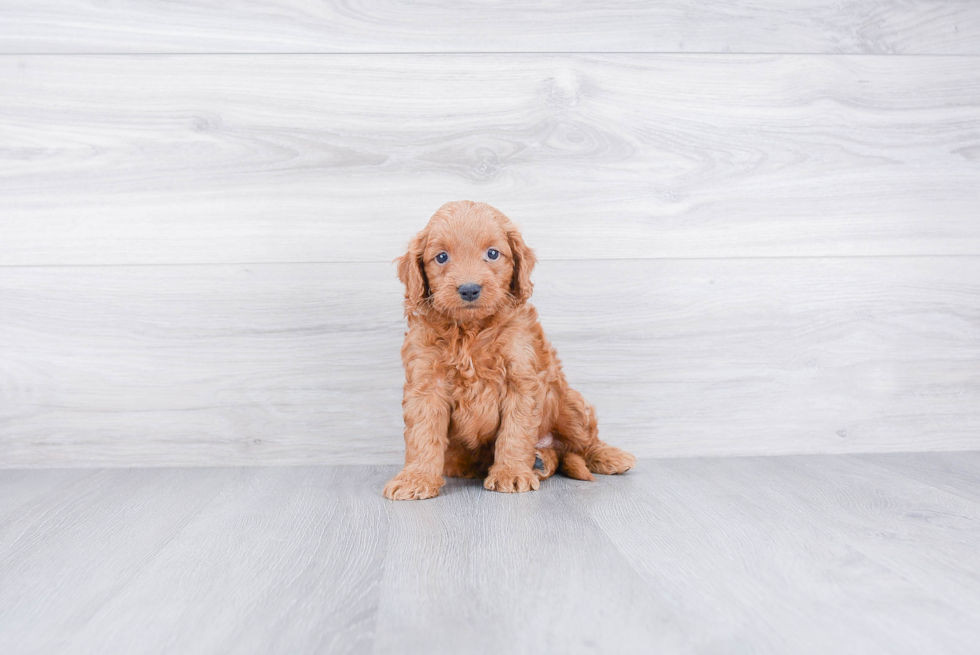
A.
x: 469, y: 292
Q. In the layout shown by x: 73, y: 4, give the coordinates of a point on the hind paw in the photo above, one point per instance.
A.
x: 609, y: 460
x: 545, y: 463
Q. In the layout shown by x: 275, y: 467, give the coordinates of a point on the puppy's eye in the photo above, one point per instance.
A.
x: 492, y: 254
x: 442, y: 258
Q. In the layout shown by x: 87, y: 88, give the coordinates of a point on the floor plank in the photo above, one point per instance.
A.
x: 205, y: 159
x: 892, y: 26
x: 295, y: 568
x: 284, y: 540
x: 809, y: 554
x: 19, y: 488
x: 955, y: 472
x: 798, y: 554
x: 81, y: 543
x: 533, y: 569
x: 292, y: 364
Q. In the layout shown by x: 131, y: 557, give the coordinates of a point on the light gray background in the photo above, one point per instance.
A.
x: 759, y: 226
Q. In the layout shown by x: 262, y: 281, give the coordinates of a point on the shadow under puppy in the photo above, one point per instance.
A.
x: 485, y: 395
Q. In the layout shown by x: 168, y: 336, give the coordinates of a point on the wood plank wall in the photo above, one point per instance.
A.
x: 758, y: 223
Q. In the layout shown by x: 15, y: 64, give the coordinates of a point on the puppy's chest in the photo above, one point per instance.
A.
x: 477, y: 379
x: 475, y: 373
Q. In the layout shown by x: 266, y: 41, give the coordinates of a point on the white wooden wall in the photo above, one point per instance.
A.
x: 759, y: 223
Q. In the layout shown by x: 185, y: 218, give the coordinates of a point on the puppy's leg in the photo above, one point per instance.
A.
x: 579, y: 430
x: 513, y: 452
x: 426, y: 438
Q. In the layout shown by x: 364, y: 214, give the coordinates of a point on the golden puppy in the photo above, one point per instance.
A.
x: 485, y: 395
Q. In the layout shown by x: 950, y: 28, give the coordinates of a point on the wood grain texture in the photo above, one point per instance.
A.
x: 954, y: 472
x: 819, y: 26
x: 806, y: 554
x: 287, y: 364
x: 532, y: 569
x: 208, y: 159
x: 779, y: 548
x: 256, y: 560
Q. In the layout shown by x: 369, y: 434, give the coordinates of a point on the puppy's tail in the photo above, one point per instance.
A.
x: 573, y: 465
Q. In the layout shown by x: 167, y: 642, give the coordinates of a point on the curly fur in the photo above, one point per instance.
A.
x: 484, y: 394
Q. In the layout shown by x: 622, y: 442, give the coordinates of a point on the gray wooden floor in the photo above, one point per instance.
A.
x: 821, y: 554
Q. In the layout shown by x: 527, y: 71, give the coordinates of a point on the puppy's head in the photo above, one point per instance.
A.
x: 468, y: 263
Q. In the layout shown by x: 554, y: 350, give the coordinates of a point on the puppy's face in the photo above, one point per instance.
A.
x: 468, y: 263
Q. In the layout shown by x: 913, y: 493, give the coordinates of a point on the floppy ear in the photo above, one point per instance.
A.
x: 524, y: 260
x: 411, y: 271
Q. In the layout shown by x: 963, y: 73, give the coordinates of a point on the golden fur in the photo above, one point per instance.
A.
x: 485, y: 395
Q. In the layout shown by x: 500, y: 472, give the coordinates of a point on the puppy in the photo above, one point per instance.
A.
x: 485, y: 395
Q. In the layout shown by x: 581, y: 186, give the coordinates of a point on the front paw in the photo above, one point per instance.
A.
x: 411, y: 485
x: 511, y: 480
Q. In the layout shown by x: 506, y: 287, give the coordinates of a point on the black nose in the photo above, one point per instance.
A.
x: 470, y: 292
